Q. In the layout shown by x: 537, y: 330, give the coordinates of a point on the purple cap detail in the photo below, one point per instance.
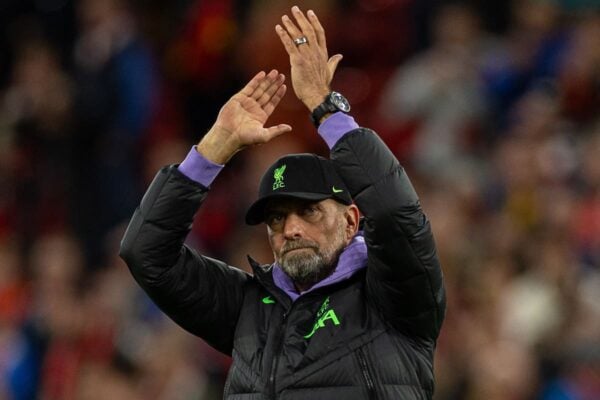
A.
x: 352, y: 259
x: 336, y: 126
x: 198, y: 168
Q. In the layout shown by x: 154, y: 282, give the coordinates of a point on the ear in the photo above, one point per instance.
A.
x: 352, y: 216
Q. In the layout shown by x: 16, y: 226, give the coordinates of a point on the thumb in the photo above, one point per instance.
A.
x: 276, y: 130
x: 332, y: 64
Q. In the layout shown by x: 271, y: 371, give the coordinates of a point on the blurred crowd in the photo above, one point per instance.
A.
x: 492, y: 106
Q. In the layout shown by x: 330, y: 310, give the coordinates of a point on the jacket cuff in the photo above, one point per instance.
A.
x: 199, y: 169
x: 336, y: 126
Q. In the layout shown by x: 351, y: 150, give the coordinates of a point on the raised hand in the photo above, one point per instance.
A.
x: 241, y: 121
x: 311, y: 68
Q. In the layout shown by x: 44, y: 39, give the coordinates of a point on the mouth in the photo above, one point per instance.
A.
x: 298, y: 248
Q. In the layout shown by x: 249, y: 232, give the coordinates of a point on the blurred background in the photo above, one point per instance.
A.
x: 492, y: 106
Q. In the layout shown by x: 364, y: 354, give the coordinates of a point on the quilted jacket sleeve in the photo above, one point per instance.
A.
x: 404, y: 278
x: 201, y: 294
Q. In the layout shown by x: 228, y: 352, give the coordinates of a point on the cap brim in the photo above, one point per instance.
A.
x: 256, y: 213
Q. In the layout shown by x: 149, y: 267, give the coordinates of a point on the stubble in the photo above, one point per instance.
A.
x: 306, y: 263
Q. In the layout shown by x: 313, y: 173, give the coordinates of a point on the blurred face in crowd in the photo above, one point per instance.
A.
x: 95, y: 12
x: 456, y: 25
x: 307, y: 237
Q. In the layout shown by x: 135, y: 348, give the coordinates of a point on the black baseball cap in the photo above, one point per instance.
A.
x: 303, y: 176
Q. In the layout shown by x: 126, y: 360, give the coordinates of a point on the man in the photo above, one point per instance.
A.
x: 340, y: 314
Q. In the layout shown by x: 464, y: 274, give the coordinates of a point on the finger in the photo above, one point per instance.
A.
x: 271, y: 90
x: 269, y: 107
x: 285, y: 38
x: 291, y: 28
x: 305, y: 26
x: 332, y: 64
x: 276, y: 130
x: 253, y: 84
x: 319, y: 31
x: 264, y: 84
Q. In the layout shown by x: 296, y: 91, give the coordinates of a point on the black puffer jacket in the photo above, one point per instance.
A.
x: 369, y: 337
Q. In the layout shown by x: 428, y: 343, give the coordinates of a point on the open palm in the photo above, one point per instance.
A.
x: 245, y: 114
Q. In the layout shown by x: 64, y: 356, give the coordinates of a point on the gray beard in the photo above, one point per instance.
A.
x: 310, y: 265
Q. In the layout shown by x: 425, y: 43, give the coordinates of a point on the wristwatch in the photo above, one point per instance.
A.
x: 334, y: 102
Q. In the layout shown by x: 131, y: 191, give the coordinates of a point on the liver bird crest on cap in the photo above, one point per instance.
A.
x: 278, y: 176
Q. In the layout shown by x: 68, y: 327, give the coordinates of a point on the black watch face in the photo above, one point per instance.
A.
x: 340, y: 102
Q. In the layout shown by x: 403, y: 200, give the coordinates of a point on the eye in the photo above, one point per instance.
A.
x: 310, y: 210
x: 274, y: 219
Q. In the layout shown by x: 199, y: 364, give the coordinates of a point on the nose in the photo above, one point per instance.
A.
x: 293, y: 227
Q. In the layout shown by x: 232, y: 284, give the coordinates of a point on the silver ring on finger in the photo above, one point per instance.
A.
x: 300, y: 40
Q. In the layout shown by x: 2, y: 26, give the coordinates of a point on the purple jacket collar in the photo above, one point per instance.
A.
x: 352, y: 259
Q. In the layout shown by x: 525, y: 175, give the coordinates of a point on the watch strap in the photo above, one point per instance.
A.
x: 321, y: 110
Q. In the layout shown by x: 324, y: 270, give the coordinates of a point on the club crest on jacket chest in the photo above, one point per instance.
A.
x: 325, y: 315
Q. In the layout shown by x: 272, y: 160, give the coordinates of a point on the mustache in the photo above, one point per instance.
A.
x: 298, y: 244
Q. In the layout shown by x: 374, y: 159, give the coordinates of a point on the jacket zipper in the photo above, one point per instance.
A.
x: 275, y: 362
x: 366, y: 374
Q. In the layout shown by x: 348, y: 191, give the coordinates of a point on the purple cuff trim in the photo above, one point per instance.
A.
x: 198, y: 168
x: 336, y: 126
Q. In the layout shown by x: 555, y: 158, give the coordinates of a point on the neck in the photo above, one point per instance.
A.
x: 303, y: 287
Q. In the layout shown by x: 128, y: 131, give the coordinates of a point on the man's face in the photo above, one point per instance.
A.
x: 307, y: 237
